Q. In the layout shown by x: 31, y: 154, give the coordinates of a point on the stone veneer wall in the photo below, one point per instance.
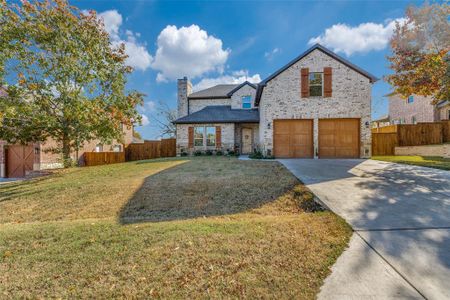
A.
x: 236, y: 98
x: 184, y: 89
x: 255, y: 131
x: 351, y: 98
x: 199, y: 104
x: 183, y: 137
x: 421, y: 109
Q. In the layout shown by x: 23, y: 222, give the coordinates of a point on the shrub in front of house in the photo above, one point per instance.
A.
x: 208, y: 152
x: 219, y: 153
x: 198, y: 153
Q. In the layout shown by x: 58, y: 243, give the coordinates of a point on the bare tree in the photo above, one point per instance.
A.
x: 164, y: 118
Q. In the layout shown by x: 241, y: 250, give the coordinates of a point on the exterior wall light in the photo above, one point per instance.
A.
x: 268, y: 125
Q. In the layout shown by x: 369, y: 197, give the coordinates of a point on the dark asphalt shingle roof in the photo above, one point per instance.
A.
x: 219, y: 91
x: 220, y: 114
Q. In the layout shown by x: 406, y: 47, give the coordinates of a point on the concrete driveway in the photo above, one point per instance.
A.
x: 401, y: 218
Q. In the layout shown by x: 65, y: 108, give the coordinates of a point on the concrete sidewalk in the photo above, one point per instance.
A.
x: 401, y: 218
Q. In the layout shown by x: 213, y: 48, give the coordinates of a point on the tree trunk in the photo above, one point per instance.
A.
x: 66, y: 152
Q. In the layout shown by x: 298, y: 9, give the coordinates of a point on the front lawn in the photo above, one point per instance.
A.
x: 424, y: 161
x: 195, y: 228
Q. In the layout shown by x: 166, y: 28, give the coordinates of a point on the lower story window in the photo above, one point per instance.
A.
x: 210, y: 136
x: 99, y: 148
x: 117, y: 148
x: 204, y: 136
x: 198, y: 136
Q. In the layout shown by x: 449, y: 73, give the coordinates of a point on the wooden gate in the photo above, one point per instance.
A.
x: 19, y: 160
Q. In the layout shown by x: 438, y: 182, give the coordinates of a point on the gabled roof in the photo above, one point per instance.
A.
x: 219, y: 91
x: 319, y: 47
x: 220, y: 114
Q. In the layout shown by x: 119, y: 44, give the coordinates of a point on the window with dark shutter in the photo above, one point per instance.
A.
x: 304, y: 83
x: 327, y: 82
x: 218, y: 137
x: 191, y: 137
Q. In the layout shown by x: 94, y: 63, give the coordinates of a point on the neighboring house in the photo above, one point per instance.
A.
x: 381, y: 122
x: 19, y: 160
x: 318, y: 105
x: 415, y: 109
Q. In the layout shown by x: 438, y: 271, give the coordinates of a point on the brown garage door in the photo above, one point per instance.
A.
x: 293, y: 138
x: 339, y: 138
x: 19, y: 160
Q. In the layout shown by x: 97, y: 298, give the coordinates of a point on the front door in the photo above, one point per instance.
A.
x: 246, y: 140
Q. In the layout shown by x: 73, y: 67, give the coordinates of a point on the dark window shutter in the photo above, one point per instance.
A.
x: 305, y: 82
x: 218, y: 137
x: 327, y: 83
x: 191, y: 137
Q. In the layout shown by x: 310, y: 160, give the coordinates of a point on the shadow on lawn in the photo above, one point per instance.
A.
x: 206, y: 187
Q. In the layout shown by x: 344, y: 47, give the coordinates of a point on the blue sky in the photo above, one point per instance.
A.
x: 230, y: 41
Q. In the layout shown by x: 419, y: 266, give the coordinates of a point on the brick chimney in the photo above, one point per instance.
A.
x: 184, y: 90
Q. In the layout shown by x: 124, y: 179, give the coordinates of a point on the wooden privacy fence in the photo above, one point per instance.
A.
x: 151, y: 149
x: 103, y: 158
x: 385, y: 139
x: 146, y: 150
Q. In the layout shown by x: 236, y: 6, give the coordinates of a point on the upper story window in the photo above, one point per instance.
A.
x: 316, y: 84
x: 410, y: 99
x: 247, y: 102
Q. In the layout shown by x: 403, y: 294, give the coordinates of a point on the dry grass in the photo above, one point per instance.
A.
x: 259, y: 244
x: 423, y: 161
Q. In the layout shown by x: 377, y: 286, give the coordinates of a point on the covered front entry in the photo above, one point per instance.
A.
x: 293, y: 138
x: 339, y: 138
x: 19, y: 160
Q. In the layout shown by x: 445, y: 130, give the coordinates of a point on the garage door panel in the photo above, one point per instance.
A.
x: 293, y: 138
x: 339, y: 138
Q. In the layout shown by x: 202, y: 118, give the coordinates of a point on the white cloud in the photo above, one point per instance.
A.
x: 112, y: 20
x: 150, y: 105
x: 145, y: 121
x: 362, y: 38
x: 236, y: 77
x: 138, y: 56
x: 187, y: 51
x: 269, y: 55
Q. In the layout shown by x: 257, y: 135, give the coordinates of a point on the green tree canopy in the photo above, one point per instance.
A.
x: 63, y: 78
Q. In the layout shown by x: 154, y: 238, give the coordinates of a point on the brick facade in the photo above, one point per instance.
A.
x: 351, y: 98
x: 236, y: 98
x: 227, y: 134
x: 421, y: 109
x: 199, y: 104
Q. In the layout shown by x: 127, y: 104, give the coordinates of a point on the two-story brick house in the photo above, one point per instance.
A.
x: 415, y: 109
x: 318, y: 105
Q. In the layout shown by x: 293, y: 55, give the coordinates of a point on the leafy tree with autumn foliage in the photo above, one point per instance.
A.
x: 420, y: 53
x: 63, y: 78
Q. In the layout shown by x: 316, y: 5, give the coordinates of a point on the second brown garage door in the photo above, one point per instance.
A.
x: 339, y: 138
x: 293, y: 138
